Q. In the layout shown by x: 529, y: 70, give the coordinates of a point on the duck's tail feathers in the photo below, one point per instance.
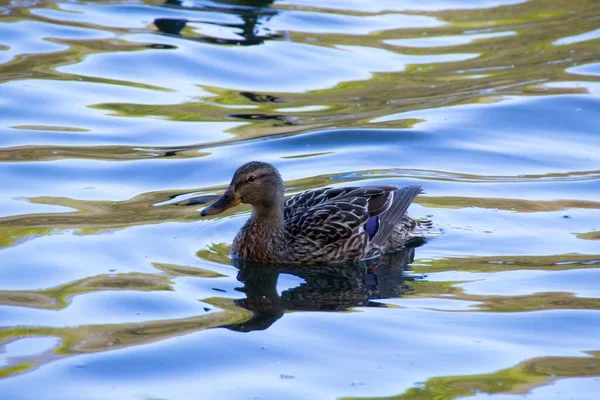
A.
x: 425, y: 229
x: 403, y: 197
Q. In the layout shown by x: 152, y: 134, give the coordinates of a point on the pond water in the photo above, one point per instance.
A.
x: 114, y: 113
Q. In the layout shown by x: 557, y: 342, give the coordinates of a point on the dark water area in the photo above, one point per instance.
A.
x: 114, y: 114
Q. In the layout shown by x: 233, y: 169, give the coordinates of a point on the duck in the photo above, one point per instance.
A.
x: 327, y: 225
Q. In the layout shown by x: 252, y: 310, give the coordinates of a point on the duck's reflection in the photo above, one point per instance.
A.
x: 325, y: 288
x: 249, y: 31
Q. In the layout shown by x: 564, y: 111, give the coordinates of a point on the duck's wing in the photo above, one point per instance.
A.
x: 331, y: 215
x: 378, y: 197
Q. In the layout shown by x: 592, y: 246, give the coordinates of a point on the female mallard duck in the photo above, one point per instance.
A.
x: 317, y: 226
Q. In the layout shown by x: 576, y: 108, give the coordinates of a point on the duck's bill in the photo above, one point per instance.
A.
x: 223, y: 203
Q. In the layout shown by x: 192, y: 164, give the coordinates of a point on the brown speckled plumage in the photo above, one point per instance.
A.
x: 317, y: 226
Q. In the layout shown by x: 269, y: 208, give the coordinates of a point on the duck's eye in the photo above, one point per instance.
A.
x: 251, y: 178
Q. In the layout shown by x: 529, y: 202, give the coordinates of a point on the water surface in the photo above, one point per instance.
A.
x: 114, y: 114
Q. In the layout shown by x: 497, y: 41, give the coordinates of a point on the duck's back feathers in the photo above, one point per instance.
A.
x: 378, y: 198
x: 330, y: 221
x: 345, y: 222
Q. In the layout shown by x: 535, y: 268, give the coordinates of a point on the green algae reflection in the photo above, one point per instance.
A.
x: 516, y: 380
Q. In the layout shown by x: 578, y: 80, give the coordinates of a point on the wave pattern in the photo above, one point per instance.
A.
x: 121, y: 118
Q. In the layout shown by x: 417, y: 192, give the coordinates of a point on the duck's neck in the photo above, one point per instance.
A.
x: 263, y: 237
x: 268, y: 216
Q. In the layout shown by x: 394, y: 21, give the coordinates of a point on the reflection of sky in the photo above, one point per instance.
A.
x: 586, y: 69
x: 580, y: 282
x: 110, y: 307
x: 467, y: 139
x: 128, y: 15
x: 507, y: 138
x: 85, y: 255
x: 26, y: 347
x: 29, y: 37
x: 572, y: 388
x: 432, y: 303
x: 522, y: 148
x: 595, y: 34
x: 444, y: 41
x: 262, y: 68
x: 386, y: 347
x: 505, y: 232
x: 141, y: 16
x: 15, y: 206
x: 401, y: 5
x: 60, y: 103
x: 323, y: 23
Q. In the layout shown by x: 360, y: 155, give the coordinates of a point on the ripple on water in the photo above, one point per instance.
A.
x: 126, y: 16
x: 586, y: 69
x: 22, y: 349
x: 393, y: 5
x: 217, y: 361
x: 264, y: 68
x: 29, y: 37
x: 515, y: 283
x: 592, y: 35
x: 109, y: 308
x: 115, y: 114
x: 446, y: 41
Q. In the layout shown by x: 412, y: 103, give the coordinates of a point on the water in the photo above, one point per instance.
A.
x: 114, y: 114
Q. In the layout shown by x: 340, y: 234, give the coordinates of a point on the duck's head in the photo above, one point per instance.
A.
x: 256, y: 183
